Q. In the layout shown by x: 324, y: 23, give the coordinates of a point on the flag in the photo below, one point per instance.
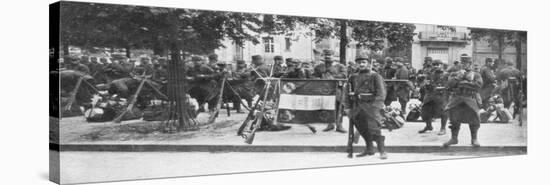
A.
x: 307, y: 101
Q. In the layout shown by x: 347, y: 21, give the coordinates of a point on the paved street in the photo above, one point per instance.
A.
x: 111, y: 166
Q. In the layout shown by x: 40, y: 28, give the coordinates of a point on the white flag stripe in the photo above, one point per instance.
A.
x: 307, y: 102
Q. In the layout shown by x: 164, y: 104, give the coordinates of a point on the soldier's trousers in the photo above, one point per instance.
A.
x: 463, y: 114
x: 367, y: 126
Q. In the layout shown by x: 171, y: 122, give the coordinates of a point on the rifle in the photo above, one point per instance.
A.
x: 259, y: 118
x: 351, y: 132
x: 220, y: 102
x: 130, y: 106
x: 73, y: 95
x: 249, y: 117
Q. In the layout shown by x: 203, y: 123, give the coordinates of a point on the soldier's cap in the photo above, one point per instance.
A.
x: 295, y: 61
x: 361, y: 57
x: 196, y: 58
x: 487, y: 60
x: 327, y: 52
x: 388, y: 59
x: 288, y: 60
x: 257, y: 57
x: 399, y: 59
x: 221, y: 63
x: 278, y: 57
x: 437, y: 61
x: 428, y: 58
x: 509, y: 62
x: 241, y: 62
x: 212, y: 57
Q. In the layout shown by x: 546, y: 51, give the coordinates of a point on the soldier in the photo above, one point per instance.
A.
x: 73, y: 63
x: 402, y: 90
x: 244, y: 89
x: 456, y: 67
x: 278, y: 68
x: 464, y: 101
x: 203, y: 85
x: 331, y: 70
x: 508, y: 78
x: 260, y: 69
x: 427, y: 61
x: 489, y: 81
x: 307, y: 69
x: 94, y: 66
x: 388, y: 72
x: 294, y: 70
x: 368, y: 90
x: 435, y: 98
x: 213, y: 61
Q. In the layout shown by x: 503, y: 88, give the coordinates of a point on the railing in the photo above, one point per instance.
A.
x: 443, y: 36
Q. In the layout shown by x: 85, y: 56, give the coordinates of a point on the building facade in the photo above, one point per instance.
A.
x: 446, y: 43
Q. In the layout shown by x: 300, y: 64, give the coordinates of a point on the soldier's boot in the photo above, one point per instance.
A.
x: 381, y: 146
x: 427, y: 128
x: 442, y: 130
x: 340, y: 129
x: 369, y: 150
x: 330, y: 127
x: 454, y: 137
x: 473, y: 133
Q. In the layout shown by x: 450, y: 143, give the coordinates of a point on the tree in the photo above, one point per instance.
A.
x: 500, y: 39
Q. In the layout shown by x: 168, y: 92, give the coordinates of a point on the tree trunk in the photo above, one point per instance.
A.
x: 500, y: 47
x: 343, y: 41
x: 518, y: 50
x: 128, y: 53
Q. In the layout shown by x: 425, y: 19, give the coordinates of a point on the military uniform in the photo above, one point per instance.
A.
x: 331, y: 70
x: 403, y: 90
x: 489, y: 82
x: 203, y: 87
x: 509, y: 78
x: 435, y: 99
x: 369, y: 95
x: 464, y: 102
x: 73, y: 64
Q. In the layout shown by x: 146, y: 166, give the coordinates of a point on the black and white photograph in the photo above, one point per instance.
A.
x: 145, y: 92
x: 165, y: 91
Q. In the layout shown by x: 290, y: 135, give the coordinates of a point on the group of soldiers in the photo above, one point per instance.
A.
x: 456, y: 93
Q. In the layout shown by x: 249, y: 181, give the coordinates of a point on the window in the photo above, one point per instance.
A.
x: 269, y: 46
x: 287, y: 44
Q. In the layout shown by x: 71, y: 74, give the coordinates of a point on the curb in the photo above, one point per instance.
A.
x: 279, y: 148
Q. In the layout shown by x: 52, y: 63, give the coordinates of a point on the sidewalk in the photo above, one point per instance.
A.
x: 78, y: 135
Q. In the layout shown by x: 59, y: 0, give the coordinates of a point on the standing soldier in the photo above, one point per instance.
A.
x: 368, y: 92
x: 402, y: 90
x: 259, y: 68
x: 294, y: 70
x: 244, y: 89
x: 331, y: 70
x: 489, y: 82
x: 427, y: 62
x: 435, y: 98
x: 464, y: 101
x: 278, y: 68
x: 508, y: 78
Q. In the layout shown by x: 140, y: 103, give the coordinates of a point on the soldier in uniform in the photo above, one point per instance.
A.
x: 464, y: 101
x: 213, y: 61
x: 259, y: 68
x: 331, y: 70
x: 489, y: 81
x: 508, y: 78
x: 245, y: 87
x: 368, y: 100
x: 456, y: 67
x: 294, y: 70
x: 402, y: 90
x: 427, y: 62
x: 278, y: 68
x: 203, y: 85
x: 435, y: 98
x: 73, y: 63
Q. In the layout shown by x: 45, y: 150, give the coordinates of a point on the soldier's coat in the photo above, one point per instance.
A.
x: 434, y: 101
x: 463, y: 109
x: 373, y: 83
x: 489, y: 86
